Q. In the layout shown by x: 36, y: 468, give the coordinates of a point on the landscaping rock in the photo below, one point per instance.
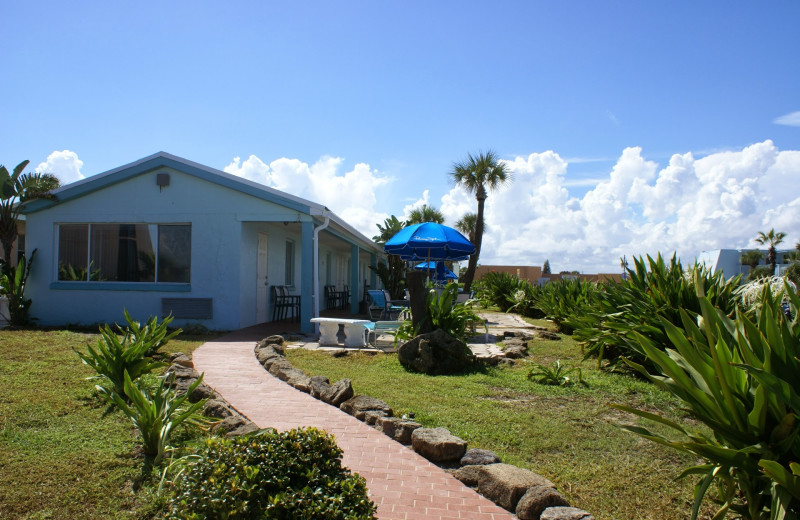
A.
x: 268, y: 355
x: 469, y: 475
x: 242, y: 430
x: 278, y: 365
x: 565, y: 513
x: 479, y: 457
x: 516, y: 350
x: 372, y: 416
x: 318, y: 385
x: 536, y: 500
x: 218, y: 409
x: 229, y: 424
x: 435, y: 353
x: 272, y: 340
x: 545, y: 334
x: 438, y: 444
x: 300, y: 382
x: 359, y: 405
x: 202, y: 391
x: 289, y: 374
x: 179, y: 358
x: 398, y: 429
x: 516, y: 334
x: 338, y: 392
x: 505, y: 484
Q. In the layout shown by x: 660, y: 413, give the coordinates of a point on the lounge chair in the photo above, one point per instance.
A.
x: 381, y: 308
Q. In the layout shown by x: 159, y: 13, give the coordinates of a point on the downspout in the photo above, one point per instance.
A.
x: 316, y: 268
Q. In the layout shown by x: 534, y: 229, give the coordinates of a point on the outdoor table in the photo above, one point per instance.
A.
x: 354, y: 331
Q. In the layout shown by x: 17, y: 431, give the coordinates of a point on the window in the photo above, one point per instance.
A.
x: 289, y: 263
x: 125, y: 252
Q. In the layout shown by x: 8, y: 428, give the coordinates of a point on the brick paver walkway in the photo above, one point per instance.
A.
x: 402, y: 484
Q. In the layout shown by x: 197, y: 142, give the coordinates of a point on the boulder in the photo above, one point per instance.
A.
x: 438, y: 444
x: 435, y: 353
x: 536, y: 500
x: 372, y: 416
x: 319, y: 384
x: 244, y: 429
x: 184, y: 378
x: 278, y: 365
x: 338, y: 392
x: 565, y: 513
x: 300, y: 382
x: 229, y: 424
x: 516, y: 334
x: 289, y: 374
x: 505, y: 484
x: 546, y: 334
x: 397, y: 428
x: 479, y: 457
x: 359, y: 405
x: 218, y: 409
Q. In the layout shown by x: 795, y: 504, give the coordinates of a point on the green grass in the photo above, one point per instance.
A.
x: 63, y: 454
x: 566, y: 434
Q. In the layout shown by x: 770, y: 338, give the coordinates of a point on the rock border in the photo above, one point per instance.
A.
x: 520, y: 491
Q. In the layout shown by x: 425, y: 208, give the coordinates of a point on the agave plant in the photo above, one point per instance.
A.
x: 564, y: 299
x: 443, y: 311
x: 558, y: 375
x: 157, y: 413
x: 738, y: 377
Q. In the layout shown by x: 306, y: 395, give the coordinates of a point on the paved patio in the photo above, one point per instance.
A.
x: 402, y: 484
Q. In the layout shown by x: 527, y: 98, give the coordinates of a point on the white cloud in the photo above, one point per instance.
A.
x: 351, y: 195
x: 791, y: 119
x: 718, y: 201
x: 64, y: 164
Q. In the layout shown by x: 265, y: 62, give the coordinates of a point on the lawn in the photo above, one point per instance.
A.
x: 62, y: 453
x: 568, y: 434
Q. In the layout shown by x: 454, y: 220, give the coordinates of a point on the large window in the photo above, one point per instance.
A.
x: 125, y: 252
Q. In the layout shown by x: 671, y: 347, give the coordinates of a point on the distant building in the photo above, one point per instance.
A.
x: 729, y: 261
x: 534, y: 274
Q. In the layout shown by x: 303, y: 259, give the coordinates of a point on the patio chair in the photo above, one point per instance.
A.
x: 381, y: 308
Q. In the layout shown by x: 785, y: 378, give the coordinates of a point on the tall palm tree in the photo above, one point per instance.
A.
x: 425, y: 213
x: 15, y: 189
x: 773, y: 239
x: 751, y: 258
x: 392, y: 273
x: 466, y: 225
x: 476, y: 174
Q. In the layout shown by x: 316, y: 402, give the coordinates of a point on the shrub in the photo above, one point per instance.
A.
x: 654, y: 291
x: 157, y: 412
x: 762, y: 271
x: 558, y: 375
x: 296, y: 474
x: 498, y: 289
x: 739, y: 378
x: 12, y: 284
x: 444, y: 313
x: 562, y: 300
x: 793, y: 273
x: 113, y: 357
x: 525, y: 299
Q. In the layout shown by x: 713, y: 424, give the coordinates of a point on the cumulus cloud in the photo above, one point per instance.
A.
x: 791, y: 119
x: 688, y: 205
x: 64, y: 164
x: 351, y: 194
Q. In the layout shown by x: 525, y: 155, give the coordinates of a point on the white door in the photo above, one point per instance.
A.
x: 262, y: 282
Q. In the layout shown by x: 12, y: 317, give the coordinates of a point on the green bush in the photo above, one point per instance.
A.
x: 268, y: 475
x: 740, y: 378
x: 525, y: 299
x: 498, y: 289
x: 113, y: 357
x: 12, y: 284
x: 793, y: 273
x: 762, y: 271
x: 653, y: 292
x: 443, y: 311
x: 562, y: 300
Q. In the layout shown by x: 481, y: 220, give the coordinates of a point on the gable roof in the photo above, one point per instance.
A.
x: 165, y: 160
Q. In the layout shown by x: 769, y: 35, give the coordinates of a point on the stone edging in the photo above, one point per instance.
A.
x: 523, y: 492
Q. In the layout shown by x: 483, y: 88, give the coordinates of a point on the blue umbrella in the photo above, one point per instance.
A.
x: 442, y: 272
x: 429, y: 241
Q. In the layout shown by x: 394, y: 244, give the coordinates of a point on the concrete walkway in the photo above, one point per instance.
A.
x: 402, y: 484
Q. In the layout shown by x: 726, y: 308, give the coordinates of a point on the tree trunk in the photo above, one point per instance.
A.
x: 418, y: 297
x: 771, y: 256
x: 473, y: 259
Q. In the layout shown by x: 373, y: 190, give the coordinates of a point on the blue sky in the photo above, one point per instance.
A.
x: 379, y: 98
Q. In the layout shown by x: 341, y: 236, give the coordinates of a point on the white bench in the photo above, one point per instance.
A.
x: 354, y: 331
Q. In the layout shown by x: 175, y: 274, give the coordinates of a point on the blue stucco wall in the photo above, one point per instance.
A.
x: 223, y: 250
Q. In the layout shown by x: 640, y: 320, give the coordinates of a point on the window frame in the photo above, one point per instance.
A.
x: 155, y: 285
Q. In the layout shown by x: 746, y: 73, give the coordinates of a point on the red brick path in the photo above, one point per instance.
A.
x: 402, y: 484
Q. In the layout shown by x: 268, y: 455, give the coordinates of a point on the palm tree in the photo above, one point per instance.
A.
x: 425, y: 213
x: 392, y: 275
x: 476, y: 174
x: 15, y: 189
x: 773, y: 239
x: 466, y: 225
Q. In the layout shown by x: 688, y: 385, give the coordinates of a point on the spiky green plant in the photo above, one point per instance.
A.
x: 557, y: 375
x: 740, y: 378
x: 561, y: 300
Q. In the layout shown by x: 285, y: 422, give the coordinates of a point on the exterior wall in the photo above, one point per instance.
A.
x: 729, y: 261
x: 524, y: 272
x: 221, y: 251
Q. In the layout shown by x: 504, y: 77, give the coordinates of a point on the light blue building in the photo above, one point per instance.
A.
x: 164, y: 234
x: 729, y: 261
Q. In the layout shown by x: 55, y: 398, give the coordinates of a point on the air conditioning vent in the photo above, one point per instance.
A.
x: 187, y: 308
